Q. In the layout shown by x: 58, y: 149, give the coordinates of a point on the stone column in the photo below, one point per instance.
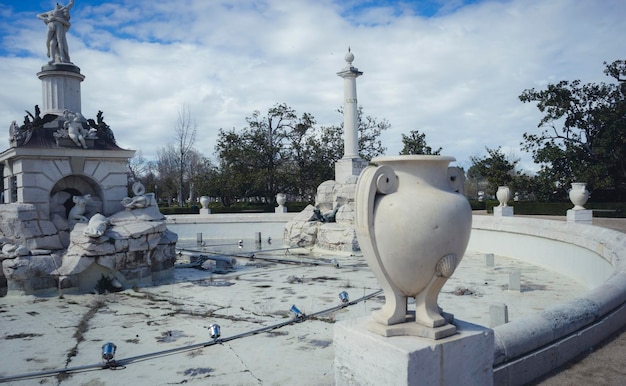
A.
x: 60, y: 88
x: 350, y: 108
x: 350, y: 165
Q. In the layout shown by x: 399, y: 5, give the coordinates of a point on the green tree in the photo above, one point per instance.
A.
x: 496, y: 168
x: 415, y: 143
x: 267, y: 156
x: 285, y: 152
x: 204, y: 180
x: 370, y: 129
x: 311, y: 163
x: 197, y: 174
x: 584, y: 131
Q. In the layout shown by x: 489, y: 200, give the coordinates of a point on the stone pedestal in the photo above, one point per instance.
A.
x: 347, y: 170
x: 280, y: 209
x: 204, y: 211
x: 583, y: 216
x: 365, y: 358
x: 503, y: 211
x: 60, y: 88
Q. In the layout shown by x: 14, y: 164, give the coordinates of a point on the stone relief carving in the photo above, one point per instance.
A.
x: 58, y: 23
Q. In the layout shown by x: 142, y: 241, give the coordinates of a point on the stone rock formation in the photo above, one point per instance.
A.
x: 339, y: 235
x: 136, y: 249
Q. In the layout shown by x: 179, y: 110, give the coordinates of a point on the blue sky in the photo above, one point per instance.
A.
x: 451, y: 69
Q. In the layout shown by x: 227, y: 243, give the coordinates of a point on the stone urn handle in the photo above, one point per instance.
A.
x: 375, y: 180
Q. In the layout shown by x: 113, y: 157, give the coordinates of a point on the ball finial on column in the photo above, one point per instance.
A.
x: 349, y: 57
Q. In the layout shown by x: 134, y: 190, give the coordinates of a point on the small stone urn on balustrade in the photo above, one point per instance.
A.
x: 204, y: 201
x: 504, y: 196
x: 281, y: 199
x: 579, y: 196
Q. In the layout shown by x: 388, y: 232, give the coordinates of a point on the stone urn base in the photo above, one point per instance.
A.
x: 409, y: 327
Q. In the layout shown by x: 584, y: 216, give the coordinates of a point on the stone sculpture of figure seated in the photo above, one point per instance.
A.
x: 326, y: 217
x: 139, y: 201
x: 74, y: 126
x: 77, y: 213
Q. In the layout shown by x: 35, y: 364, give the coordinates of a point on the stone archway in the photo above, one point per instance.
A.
x: 74, y: 185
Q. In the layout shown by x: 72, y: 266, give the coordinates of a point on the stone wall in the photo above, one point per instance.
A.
x: 24, y: 225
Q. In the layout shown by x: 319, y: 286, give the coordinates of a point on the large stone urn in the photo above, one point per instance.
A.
x: 413, y: 229
x: 205, y: 201
x: 503, y: 194
x: 579, y: 195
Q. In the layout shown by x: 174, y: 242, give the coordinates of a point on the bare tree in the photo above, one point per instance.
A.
x: 138, y: 166
x: 167, y: 168
x: 185, y: 135
x: 141, y: 170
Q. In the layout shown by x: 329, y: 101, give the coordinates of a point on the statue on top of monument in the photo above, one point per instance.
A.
x: 58, y: 22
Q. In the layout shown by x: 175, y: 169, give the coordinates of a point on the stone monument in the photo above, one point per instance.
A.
x: 335, y: 198
x: 59, y: 171
x: 350, y: 165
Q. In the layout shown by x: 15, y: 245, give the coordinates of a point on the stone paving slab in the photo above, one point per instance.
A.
x: 48, y: 333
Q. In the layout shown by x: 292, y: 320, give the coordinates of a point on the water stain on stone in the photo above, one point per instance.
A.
x: 197, y: 371
x: 272, y: 334
x: 23, y: 335
x: 321, y: 343
x: 170, y: 336
x: 212, y: 283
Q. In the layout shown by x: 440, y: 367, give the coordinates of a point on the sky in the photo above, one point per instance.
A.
x: 452, y: 69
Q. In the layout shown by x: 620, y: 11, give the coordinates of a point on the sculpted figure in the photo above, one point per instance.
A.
x: 77, y: 213
x: 97, y: 226
x: 326, y: 217
x: 58, y: 22
x: 74, y: 126
x: 139, y: 201
x: 14, y: 133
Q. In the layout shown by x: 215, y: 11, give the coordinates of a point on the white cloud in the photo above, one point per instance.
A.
x: 455, y: 76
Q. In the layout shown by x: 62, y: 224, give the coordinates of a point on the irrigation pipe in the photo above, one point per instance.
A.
x: 254, y: 256
x: 127, y: 361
